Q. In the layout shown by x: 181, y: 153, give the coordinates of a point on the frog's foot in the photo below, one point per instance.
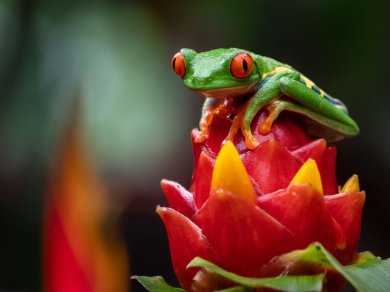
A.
x: 250, y: 141
x: 204, y: 125
x: 274, y: 109
x: 220, y: 107
x: 234, y: 127
x: 201, y: 136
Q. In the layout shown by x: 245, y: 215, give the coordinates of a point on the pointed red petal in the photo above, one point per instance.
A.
x: 325, y: 158
x: 78, y: 254
x: 302, y: 210
x: 201, y: 179
x: 243, y: 236
x: 271, y: 166
x: 218, y: 131
x: 346, y: 209
x: 178, y: 198
x: 186, y: 242
x: 62, y: 270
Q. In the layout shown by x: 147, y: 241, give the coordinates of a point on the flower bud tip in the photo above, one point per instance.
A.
x: 352, y: 185
x: 309, y: 174
x: 230, y: 174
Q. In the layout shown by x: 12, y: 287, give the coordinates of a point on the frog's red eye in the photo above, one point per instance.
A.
x: 179, y: 64
x: 241, y: 65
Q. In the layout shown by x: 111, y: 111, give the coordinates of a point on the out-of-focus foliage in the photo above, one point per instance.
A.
x: 114, y: 57
x: 114, y: 60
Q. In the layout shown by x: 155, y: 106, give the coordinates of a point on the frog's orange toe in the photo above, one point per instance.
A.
x: 201, y: 136
x: 251, y: 142
x: 265, y: 127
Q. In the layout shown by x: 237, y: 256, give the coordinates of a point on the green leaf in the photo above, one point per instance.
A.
x: 285, y: 283
x: 368, y: 273
x: 155, y: 284
x: 373, y: 275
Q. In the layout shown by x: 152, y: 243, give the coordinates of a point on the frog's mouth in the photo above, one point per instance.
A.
x: 227, y: 92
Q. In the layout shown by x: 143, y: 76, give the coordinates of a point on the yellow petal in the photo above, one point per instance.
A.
x: 230, y: 174
x: 352, y: 185
x: 309, y: 174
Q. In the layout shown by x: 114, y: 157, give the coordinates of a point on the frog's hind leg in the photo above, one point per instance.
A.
x: 274, y: 109
x: 278, y: 106
x: 317, y: 108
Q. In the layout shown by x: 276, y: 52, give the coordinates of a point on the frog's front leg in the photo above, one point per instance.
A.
x: 205, y: 120
x: 267, y: 93
x: 211, y: 107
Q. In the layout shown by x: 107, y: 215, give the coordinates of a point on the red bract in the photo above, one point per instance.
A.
x: 246, y: 206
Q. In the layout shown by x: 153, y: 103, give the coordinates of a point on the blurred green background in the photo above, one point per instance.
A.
x: 114, y: 56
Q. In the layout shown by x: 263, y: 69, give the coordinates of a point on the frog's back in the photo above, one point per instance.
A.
x: 267, y: 64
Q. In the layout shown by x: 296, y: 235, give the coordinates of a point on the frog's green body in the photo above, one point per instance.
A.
x: 266, y: 80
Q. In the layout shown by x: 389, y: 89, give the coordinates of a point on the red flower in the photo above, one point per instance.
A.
x: 246, y: 206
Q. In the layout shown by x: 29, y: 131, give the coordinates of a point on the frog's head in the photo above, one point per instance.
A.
x: 217, y: 73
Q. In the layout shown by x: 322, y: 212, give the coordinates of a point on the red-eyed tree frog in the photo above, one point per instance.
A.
x: 223, y: 75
